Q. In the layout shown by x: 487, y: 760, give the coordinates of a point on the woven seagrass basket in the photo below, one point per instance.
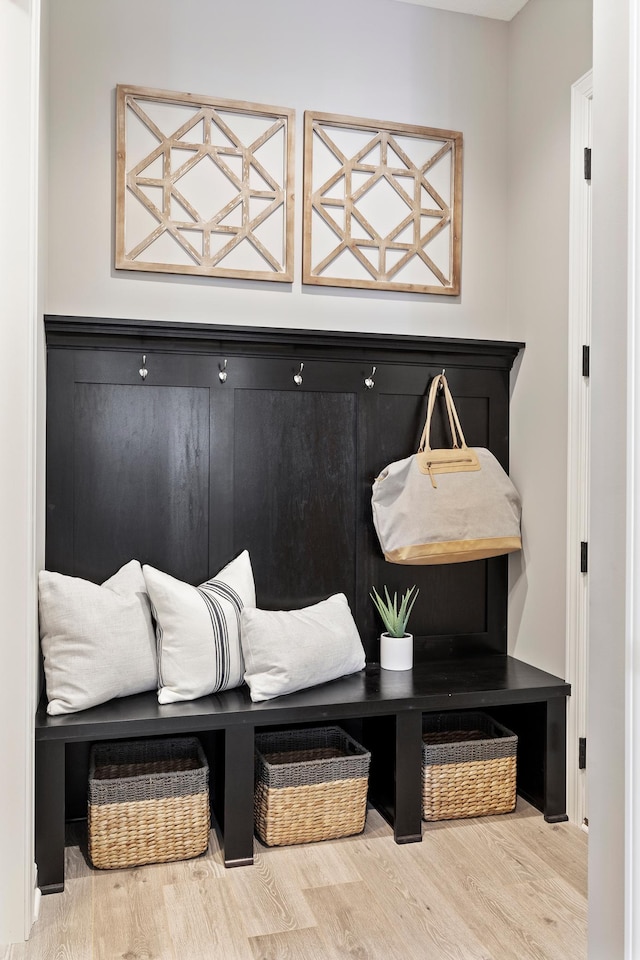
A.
x: 148, y: 802
x: 468, y: 766
x: 310, y: 785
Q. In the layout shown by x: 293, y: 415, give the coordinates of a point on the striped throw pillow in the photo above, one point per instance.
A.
x: 198, y: 630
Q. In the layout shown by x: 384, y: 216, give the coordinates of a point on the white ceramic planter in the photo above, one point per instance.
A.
x: 396, y: 653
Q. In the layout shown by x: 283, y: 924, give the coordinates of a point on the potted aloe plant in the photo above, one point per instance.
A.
x: 396, y: 645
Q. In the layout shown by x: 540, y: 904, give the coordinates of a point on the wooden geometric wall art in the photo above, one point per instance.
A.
x: 382, y: 205
x: 203, y: 186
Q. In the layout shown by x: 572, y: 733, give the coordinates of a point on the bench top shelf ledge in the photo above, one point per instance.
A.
x: 470, y: 683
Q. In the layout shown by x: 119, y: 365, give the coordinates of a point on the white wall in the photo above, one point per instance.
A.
x: 608, y: 533
x: 19, y: 54
x: 549, y: 49
x: 365, y: 58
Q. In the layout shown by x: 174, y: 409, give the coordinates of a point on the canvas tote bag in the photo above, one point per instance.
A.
x: 445, y: 505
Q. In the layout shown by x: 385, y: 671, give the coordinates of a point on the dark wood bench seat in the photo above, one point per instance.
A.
x: 383, y: 708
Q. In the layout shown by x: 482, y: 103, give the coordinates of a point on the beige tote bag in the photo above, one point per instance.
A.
x: 446, y: 505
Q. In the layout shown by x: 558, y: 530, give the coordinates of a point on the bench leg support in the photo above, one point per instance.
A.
x: 555, y: 774
x: 238, y: 796
x: 49, y: 826
x: 407, y: 825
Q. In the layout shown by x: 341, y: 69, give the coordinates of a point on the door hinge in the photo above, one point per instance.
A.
x: 584, y: 557
x: 586, y: 360
x: 582, y: 753
x: 587, y: 163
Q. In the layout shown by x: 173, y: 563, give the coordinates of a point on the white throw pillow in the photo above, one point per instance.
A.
x: 198, y: 630
x: 97, y: 641
x: 288, y: 650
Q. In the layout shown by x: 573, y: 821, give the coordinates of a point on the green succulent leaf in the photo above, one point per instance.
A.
x: 395, y: 618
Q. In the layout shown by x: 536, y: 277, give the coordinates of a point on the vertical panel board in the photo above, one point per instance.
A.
x: 452, y: 601
x: 222, y: 495
x: 59, y: 479
x: 295, y: 493
x: 141, y: 469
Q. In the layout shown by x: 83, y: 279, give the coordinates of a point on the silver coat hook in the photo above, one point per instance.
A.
x: 441, y: 386
x: 222, y: 376
x: 298, y: 377
x: 143, y: 369
x: 369, y: 381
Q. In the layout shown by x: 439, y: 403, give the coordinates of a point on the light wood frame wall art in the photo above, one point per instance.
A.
x: 382, y: 205
x: 203, y: 186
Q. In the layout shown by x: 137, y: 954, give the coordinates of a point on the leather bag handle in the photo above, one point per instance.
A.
x: 452, y: 413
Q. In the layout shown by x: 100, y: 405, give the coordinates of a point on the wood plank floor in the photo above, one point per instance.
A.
x: 497, y: 888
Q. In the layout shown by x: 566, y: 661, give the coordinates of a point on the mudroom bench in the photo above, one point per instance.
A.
x: 387, y: 708
x: 182, y: 445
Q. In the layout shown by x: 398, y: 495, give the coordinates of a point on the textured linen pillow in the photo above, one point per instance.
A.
x: 198, y: 630
x: 288, y: 650
x: 97, y: 641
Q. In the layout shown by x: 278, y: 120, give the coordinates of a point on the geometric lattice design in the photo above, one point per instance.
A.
x: 203, y: 186
x: 382, y: 205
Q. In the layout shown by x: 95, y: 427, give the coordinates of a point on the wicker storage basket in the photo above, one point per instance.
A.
x: 148, y: 802
x: 468, y: 766
x: 310, y: 785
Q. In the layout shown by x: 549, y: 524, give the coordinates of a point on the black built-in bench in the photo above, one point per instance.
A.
x: 318, y: 446
x: 389, y: 706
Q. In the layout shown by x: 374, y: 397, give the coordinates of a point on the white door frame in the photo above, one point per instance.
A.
x: 578, y: 443
x: 19, y: 307
x: 632, y: 632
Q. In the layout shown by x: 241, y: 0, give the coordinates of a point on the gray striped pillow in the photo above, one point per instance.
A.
x: 198, y: 630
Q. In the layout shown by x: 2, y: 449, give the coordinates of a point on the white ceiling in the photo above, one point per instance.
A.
x: 498, y: 9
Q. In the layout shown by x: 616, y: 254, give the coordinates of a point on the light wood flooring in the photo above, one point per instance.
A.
x: 497, y: 888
